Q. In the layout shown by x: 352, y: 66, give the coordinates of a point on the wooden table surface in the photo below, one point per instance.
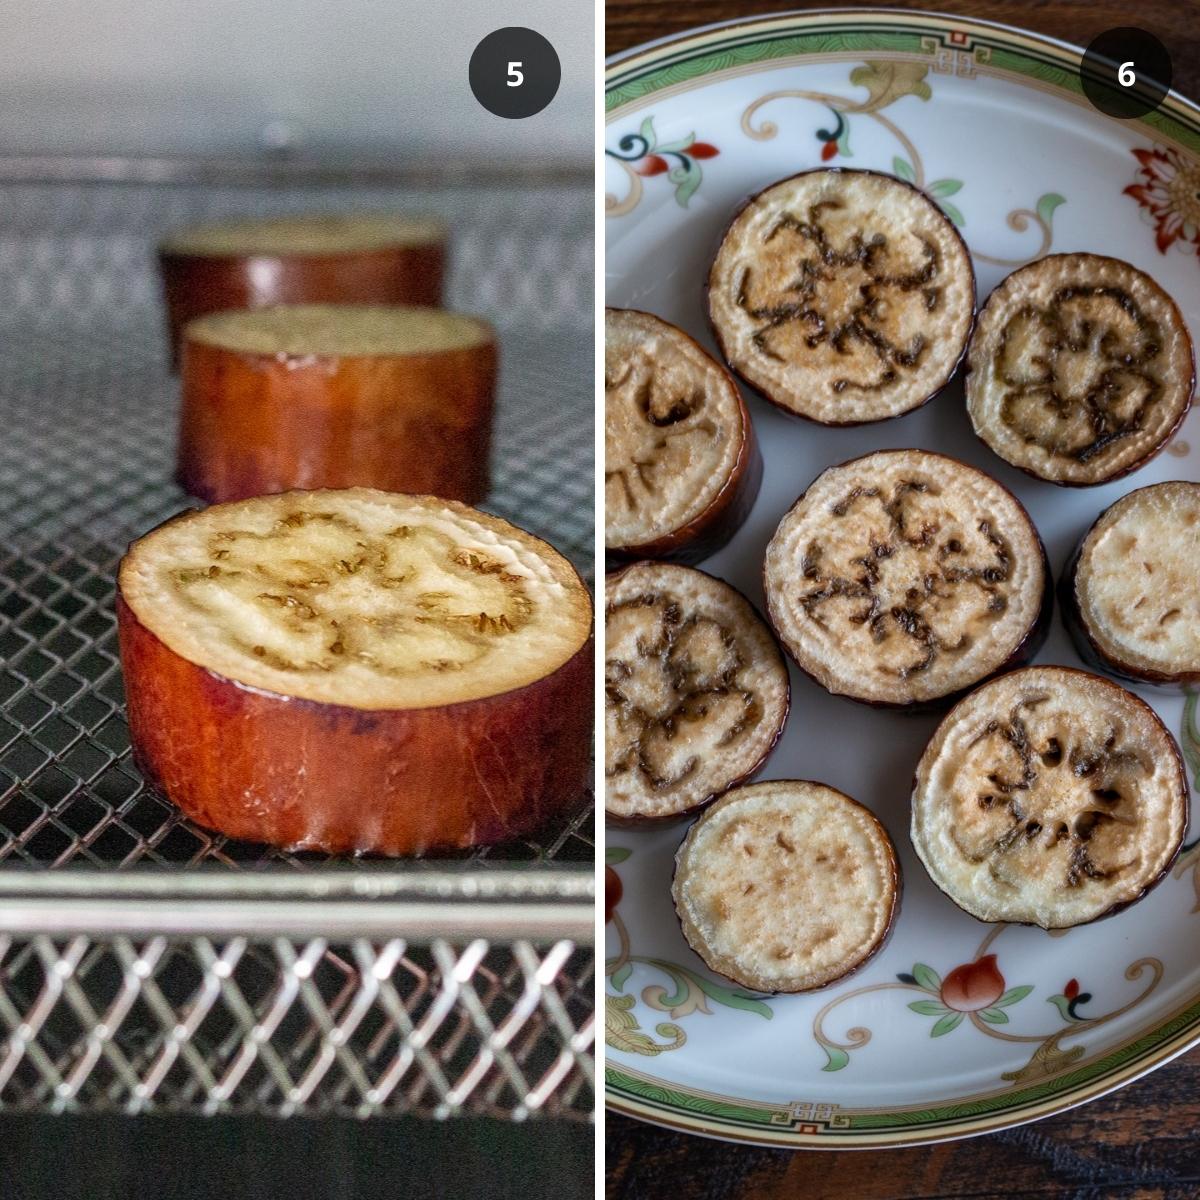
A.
x: 1138, y: 1143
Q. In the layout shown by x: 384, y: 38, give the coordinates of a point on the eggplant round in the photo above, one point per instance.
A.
x: 904, y: 578
x: 355, y: 671
x: 696, y: 691
x: 1131, y: 594
x: 336, y: 396
x: 312, y: 258
x: 681, y: 464
x: 786, y: 886
x: 1049, y: 797
x: 842, y: 296
x: 1080, y: 369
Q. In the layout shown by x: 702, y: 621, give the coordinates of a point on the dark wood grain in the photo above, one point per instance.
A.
x: 1138, y: 1143
x: 1175, y: 22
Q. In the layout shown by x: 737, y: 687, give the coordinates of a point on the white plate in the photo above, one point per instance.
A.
x: 990, y: 122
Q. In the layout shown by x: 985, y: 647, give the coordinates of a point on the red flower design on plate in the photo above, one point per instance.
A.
x: 1072, y: 989
x: 652, y: 164
x: 973, y: 986
x: 1168, y: 188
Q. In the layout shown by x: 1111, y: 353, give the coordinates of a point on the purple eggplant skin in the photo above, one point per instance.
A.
x: 1089, y: 649
x: 1022, y: 655
x: 885, y: 937
x: 791, y: 412
x: 687, y: 814
x: 713, y: 528
x: 1124, y: 904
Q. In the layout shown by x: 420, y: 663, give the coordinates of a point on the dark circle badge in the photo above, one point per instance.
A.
x: 1126, y: 72
x: 514, y: 72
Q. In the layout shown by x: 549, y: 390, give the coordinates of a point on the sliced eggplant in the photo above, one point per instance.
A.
x: 1080, y: 369
x: 696, y: 691
x: 842, y: 296
x: 1049, y: 797
x: 681, y: 465
x: 333, y: 396
x: 310, y: 258
x: 357, y: 671
x: 786, y: 886
x: 906, y: 577
x: 1131, y: 595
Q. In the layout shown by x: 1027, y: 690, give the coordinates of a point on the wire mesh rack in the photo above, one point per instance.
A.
x: 142, y: 973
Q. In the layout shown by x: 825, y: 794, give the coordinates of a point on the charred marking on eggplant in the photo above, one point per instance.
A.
x: 1081, y: 425
x: 914, y: 613
x: 803, y: 303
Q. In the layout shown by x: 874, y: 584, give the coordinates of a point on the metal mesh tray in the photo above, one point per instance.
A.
x: 346, y: 1006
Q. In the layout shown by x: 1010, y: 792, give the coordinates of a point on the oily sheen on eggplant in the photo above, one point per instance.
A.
x: 786, y: 886
x: 681, y: 464
x: 696, y: 691
x: 357, y: 671
x: 1131, y: 594
x: 1080, y: 369
x: 309, y: 258
x: 1049, y: 797
x: 842, y: 296
x: 332, y: 396
x: 905, y: 577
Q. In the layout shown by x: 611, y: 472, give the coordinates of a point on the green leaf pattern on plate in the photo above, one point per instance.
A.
x: 927, y: 978
x: 1047, y: 204
x: 1189, y: 737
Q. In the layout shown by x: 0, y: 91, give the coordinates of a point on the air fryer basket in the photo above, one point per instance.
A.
x: 146, y: 964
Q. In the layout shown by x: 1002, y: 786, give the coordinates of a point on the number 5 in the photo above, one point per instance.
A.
x: 1125, y: 75
x: 516, y: 76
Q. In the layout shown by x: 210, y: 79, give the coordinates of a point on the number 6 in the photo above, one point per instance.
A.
x: 516, y: 76
x: 1125, y: 75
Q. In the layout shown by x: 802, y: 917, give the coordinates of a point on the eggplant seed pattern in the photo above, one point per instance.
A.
x: 1041, y: 786
x: 1080, y: 373
x: 848, y: 299
x: 662, y: 431
x: 683, y: 683
x: 320, y: 591
x: 906, y: 584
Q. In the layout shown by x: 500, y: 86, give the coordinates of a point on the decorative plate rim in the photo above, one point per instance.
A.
x: 630, y: 77
x: 1176, y: 120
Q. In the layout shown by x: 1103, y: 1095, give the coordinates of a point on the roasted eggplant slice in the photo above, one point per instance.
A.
x: 681, y: 466
x: 786, y: 886
x: 842, y: 296
x: 696, y: 690
x: 1049, y: 797
x: 1080, y: 369
x: 905, y: 577
x: 312, y: 258
x: 1131, y: 595
x: 333, y: 396
x: 357, y: 671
